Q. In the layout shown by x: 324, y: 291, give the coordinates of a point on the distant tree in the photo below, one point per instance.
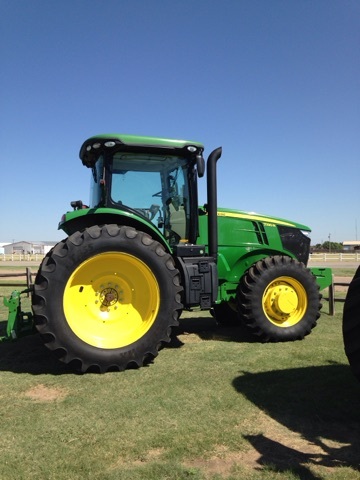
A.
x: 332, y: 246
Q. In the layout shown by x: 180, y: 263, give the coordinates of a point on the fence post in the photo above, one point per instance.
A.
x: 332, y: 299
x: 28, y: 279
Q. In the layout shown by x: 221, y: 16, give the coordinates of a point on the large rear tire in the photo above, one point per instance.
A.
x: 106, y: 298
x: 279, y: 299
x: 351, y: 324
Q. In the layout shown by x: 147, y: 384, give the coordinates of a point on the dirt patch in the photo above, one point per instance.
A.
x: 153, y: 454
x: 221, y: 463
x: 149, y: 456
x: 189, y: 338
x: 42, y: 393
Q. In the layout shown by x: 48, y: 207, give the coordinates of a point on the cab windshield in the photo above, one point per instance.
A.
x: 155, y: 187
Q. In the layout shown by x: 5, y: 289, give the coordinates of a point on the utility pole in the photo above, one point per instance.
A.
x: 329, y: 237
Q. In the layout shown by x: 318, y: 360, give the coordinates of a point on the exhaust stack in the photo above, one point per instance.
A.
x: 212, y: 202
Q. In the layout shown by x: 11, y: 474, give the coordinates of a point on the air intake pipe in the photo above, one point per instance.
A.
x: 212, y: 202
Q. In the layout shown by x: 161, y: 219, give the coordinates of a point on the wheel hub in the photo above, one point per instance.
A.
x: 284, y: 301
x: 108, y: 297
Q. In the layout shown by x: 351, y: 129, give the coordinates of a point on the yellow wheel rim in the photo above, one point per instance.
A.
x: 111, y: 300
x: 285, y: 302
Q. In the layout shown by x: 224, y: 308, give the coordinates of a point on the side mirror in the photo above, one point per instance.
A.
x: 200, y: 165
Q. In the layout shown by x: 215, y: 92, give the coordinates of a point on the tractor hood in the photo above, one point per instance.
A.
x: 222, y: 212
x: 257, y: 235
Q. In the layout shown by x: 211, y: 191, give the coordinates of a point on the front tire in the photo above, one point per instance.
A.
x: 351, y: 324
x: 106, y: 298
x: 279, y: 299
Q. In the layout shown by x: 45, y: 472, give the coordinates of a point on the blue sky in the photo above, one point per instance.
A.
x: 274, y: 82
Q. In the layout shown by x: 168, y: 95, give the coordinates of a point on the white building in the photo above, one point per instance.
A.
x: 2, y: 245
x: 351, y: 245
x: 25, y: 248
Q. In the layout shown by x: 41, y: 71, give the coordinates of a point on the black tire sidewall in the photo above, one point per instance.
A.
x: 351, y: 324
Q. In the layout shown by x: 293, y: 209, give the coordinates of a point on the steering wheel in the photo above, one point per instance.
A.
x: 153, y: 210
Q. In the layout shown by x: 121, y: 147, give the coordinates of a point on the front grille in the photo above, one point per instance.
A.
x: 296, y: 242
x: 263, y: 233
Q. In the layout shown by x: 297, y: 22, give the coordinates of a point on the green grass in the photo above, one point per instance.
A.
x: 344, y: 271
x: 214, y: 405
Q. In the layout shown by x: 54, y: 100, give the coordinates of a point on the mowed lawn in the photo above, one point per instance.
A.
x: 213, y: 405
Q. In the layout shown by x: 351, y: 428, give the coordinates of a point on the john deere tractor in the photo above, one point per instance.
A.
x: 106, y: 297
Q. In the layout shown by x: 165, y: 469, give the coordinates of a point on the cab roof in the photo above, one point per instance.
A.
x: 93, y: 147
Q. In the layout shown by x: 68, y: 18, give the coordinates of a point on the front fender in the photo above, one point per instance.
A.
x: 233, y: 267
x: 78, y: 220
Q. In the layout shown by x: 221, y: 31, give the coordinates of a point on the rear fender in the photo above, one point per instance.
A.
x: 78, y: 220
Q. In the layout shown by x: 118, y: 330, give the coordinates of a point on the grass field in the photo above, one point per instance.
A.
x: 213, y: 405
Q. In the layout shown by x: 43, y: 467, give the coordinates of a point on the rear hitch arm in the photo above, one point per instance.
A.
x: 19, y: 323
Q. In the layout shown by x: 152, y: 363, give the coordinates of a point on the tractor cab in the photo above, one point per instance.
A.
x: 155, y: 179
x: 157, y: 187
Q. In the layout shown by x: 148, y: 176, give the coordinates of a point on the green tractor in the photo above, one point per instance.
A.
x: 351, y: 324
x: 107, y: 296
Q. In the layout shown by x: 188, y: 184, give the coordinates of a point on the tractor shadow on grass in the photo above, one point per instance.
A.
x: 320, y: 404
x: 29, y: 355
x: 204, y: 326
